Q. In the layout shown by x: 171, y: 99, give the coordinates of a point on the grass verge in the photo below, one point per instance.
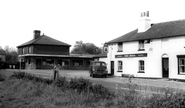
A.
x: 23, y: 90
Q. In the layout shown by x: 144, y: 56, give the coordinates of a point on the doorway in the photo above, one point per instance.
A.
x: 112, y: 68
x: 165, y: 67
x: 38, y: 63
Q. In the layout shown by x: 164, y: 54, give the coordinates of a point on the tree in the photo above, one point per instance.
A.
x: 85, y: 48
x: 11, y: 54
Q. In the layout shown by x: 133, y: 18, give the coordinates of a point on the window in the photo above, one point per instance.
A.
x: 120, y: 66
x: 63, y: 62
x: 23, y: 50
x: 77, y: 62
x: 181, y: 65
x: 120, y: 47
x: 141, y: 45
x: 105, y: 49
x: 141, y: 66
x: 49, y: 62
x: 29, y: 50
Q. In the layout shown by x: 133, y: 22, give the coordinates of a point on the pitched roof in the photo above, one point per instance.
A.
x: 156, y: 31
x: 103, y: 55
x: 44, y: 40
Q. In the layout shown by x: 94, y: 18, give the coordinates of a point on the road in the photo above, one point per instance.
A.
x: 113, y: 83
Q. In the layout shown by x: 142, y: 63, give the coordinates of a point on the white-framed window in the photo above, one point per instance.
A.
x: 181, y: 65
x: 141, y: 45
x: 120, y: 47
x: 141, y: 66
x: 120, y: 66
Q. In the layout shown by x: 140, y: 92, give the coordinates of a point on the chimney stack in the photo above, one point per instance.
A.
x: 36, y: 34
x: 144, y: 23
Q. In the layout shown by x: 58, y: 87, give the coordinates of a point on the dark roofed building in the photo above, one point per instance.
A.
x: 42, y: 52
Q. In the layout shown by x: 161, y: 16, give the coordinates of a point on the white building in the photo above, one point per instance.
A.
x: 152, y: 50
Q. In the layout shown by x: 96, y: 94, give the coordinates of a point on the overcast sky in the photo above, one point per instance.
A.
x: 95, y: 21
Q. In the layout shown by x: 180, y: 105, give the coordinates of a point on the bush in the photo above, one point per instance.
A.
x: 28, y: 76
x: 175, y: 100
x: 2, y: 77
x: 80, y: 84
x: 100, y: 91
x: 62, y: 82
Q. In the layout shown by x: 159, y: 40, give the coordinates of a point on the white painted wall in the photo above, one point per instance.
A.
x: 153, y: 62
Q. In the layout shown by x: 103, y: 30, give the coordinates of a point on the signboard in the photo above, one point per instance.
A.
x: 131, y: 55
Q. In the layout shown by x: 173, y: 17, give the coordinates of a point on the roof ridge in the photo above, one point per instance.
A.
x: 169, y: 21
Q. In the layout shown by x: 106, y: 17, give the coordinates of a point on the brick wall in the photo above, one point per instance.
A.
x: 51, y: 49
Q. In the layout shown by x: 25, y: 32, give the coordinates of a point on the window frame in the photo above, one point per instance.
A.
x: 179, y: 66
x: 120, y: 66
x: 29, y: 50
x: 77, y: 62
x: 23, y: 50
x: 120, y: 47
x: 141, y: 45
x: 141, y: 66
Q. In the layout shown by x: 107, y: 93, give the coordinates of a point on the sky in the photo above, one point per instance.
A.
x: 94, y: 21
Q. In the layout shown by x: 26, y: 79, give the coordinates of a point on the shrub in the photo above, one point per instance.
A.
x: 100, y: 91
x: 80, y: 84
x: 28, y: 76
x: 62, y: 82
x: 174, y: 100
x: 2, y: 77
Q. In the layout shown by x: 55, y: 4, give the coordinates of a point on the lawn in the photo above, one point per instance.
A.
x: 23, y: 90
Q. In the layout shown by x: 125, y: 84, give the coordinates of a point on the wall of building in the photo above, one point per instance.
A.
x: 65, y: 63
x: 170, y: 47
x: 49, y: 49
x: 44, y: 49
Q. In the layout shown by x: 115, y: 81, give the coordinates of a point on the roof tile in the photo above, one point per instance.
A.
x: 157, y: 31
x: 44, y: 40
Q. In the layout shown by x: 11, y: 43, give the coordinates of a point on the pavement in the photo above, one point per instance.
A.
x: 113, y: 83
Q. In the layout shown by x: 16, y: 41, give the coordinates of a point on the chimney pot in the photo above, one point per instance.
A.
x: 36, y: 34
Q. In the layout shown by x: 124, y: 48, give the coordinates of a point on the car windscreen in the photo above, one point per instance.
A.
x: 99, y: 64
x: 96, y: 64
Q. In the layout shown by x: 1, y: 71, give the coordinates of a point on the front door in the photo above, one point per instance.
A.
x: 38, y: 63
x: 112, y: 68
x: 165, y: 67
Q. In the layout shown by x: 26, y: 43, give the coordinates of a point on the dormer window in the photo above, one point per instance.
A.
x: 141, y: 45
x: 120, y: 47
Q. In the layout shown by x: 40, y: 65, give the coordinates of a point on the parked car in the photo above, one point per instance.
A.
x: 98, y: 68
